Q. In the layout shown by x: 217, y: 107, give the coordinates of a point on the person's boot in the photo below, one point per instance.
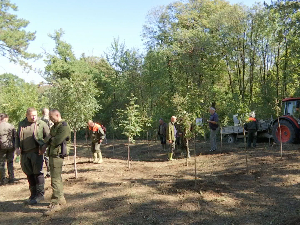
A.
x: 99, y: 157
x: 62, y: 201
x: 170, y: 156
x: 95, y: 157
x: 32, y: 194
x: 11, y: 177
x: 32, y: 187
x: 53, y: 208
x: 40, y: 190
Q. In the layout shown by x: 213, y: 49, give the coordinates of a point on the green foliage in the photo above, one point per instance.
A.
x: 75, y: 99
x: 17, y: 96
x: 73, y: 91
x: 130, y: 119
x: 14, y: 40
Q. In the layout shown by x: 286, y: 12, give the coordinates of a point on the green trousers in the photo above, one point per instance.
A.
x: 6, y: 156
x: 96, y: 147
x: 56, y: 180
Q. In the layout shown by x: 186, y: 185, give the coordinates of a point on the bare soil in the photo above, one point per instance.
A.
x: 227, y: 190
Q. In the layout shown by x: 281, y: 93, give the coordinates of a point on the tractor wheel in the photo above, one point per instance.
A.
x: 230, y: 139
x: 287, y: 132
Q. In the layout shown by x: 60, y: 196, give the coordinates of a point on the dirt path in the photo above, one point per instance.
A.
x: 156, y: 191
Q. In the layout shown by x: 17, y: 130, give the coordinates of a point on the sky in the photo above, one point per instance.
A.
x: 90, y: 26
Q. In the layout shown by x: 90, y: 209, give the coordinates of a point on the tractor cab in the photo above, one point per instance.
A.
x: 286, y: 128
x: 291, y: 107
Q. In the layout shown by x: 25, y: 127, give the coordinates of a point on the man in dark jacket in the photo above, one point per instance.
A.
x: 162, y: 130
x: 251, y: 126
x: 7, y: 148
x: 213, y: 125
x: 29, y: 139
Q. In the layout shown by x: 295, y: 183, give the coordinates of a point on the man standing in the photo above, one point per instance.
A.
x: 7, y: 148
x: 96, y: 134
x: 47, y: 120
x: 171, y: 137
x: 251, y: 126
x: 162, y: 130
x: 29, y: 139
x: 213, y: 125
x: 56, y: 143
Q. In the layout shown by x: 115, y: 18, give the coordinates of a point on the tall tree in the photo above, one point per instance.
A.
x: 14, y: 40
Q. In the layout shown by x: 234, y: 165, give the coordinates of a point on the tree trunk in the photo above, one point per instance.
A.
x: 128, y: 148
x: 187, y: 152
x: 75, y: 153
x: 113, y: 144
x: 195, y: 157
x: 247, y: 169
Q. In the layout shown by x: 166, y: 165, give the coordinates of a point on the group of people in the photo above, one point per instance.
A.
x: 33, y: 137
x: 38, y: 140
x: 175, y: 134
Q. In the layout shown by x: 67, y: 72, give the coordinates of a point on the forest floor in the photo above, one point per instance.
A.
x: 266, y: 190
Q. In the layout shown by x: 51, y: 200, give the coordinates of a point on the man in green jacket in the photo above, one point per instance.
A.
x: 96, y: 133
x: 56, y: 142
x: 29, y: 139
x: 171, y: 136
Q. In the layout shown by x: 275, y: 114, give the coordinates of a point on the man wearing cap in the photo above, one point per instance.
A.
x: 213, y: 125
x: 251, y: 126
x: 171, y: 136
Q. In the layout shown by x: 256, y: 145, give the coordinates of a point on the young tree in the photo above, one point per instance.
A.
x: 73, y: 90
x: 131, y: 122
x: 75, y: 99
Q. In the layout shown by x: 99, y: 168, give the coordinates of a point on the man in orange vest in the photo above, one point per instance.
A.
x: 251, y: 126
x: 96, y: 133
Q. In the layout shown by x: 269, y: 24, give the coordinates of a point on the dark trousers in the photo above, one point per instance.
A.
x: 32, y: 166
x: 6, y: 156
x: 252, y: 136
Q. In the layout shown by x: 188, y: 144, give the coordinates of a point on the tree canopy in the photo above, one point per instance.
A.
x: 14, y: 39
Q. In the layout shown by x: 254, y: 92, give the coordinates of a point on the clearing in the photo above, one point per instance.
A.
x: 156, y: 191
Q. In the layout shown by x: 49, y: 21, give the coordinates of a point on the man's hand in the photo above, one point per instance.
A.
x: 100, y: 141
x: 43, y: 149
x: 170, y: 141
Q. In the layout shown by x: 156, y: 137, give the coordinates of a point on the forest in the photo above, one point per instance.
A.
x: 199, y: 53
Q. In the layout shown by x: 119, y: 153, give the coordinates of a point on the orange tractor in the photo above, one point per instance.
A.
x: 289, y: 123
